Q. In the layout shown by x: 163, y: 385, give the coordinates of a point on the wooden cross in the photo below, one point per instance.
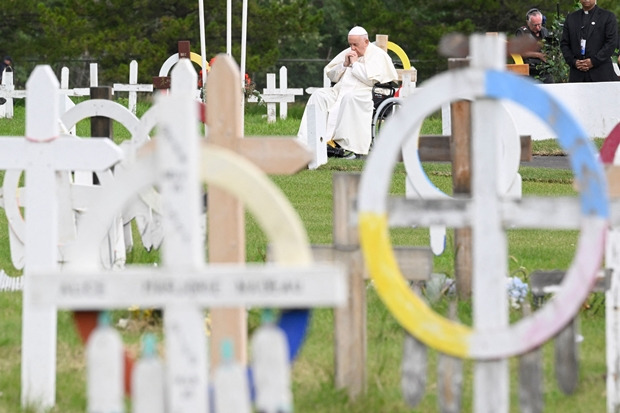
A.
x: 133, y: 87
x: 83, y: 91
x: 227, y: 232
x: 41, y: 153
x: 282, y: 95
x: 350, y: 320
x: 182, y: 286
x: 493, y: 339
x: 162, y: 81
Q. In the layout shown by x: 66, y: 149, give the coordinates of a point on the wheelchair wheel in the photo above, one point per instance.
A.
x: 383, y: 112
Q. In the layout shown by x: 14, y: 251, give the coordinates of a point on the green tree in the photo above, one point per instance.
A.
x: 113, y: 32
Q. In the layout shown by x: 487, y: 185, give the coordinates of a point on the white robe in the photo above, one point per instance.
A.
x: 349, y: 103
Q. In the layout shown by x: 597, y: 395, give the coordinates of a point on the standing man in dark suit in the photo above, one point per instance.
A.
x: 589, y: 40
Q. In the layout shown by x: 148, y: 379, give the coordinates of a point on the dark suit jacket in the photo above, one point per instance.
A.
x: 601, y: 36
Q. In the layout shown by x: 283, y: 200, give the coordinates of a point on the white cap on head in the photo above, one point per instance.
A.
x: 358, y: 31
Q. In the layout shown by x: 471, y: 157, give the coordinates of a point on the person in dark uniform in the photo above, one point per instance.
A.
x: 589, y: 39
x: 535, y: 59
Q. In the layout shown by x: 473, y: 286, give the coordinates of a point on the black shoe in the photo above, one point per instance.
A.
x: 335, y: 152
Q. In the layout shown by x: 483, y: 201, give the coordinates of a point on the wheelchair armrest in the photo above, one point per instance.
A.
x: 384, y: 90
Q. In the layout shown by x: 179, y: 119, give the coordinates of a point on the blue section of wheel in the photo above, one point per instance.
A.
x: 294, y: 323
x: 571, y: 136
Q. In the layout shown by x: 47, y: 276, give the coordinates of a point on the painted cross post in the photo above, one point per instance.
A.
x: 43, y: 153
x: 133, y: 87
x: 183, y: 286
x: 490, y: 309
x: 227, y: 232
x: 282, y: 95
x: 179, y: 156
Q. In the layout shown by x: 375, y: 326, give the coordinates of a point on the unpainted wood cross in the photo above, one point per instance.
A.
x: 350, y: 352
x: 226, y: 224
x: 162, y: 81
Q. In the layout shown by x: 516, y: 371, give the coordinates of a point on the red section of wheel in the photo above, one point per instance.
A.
x: 202, y: 112
x: 86, y: 322
x: 608, y: 150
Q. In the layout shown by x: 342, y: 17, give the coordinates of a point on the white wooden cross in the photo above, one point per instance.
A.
x: 76, y: 193
x: 282, y: 95
x: 41, y: 153
x: 8, y: 92
x: 133, y: 87
x: 83, y: 91
x: 183, y: 285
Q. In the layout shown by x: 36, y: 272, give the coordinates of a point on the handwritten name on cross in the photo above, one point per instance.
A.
x: 41, y: 153
x: 183, y: 286
x: 227, y: 231
x: 282, y: 95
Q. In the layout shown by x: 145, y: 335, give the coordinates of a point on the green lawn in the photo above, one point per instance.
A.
x: 310, y: 194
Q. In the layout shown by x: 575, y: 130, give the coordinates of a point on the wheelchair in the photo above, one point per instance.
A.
x: 385, y: 105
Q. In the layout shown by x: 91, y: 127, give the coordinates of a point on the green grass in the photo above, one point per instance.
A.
x: 310, y: 194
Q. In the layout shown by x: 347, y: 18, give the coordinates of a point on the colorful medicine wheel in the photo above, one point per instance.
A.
x: 411, y: 312
x: 173, y: 59
x: 232, y: 173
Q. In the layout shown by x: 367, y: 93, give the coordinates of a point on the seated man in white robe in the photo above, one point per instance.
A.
x: 348, y: 103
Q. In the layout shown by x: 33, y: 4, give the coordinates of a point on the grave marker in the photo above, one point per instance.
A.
x: 488, y: 214
x: 133, y: 87
x: 77, y: 193
x: 282, y: 95
x: 43, y: 153
x: 227, y: 234
x: 8, y: 92
x: 350, y: 337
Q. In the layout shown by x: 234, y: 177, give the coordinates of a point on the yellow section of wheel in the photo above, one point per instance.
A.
x: 438, y: 332
x: 517, y: 58
x: 401, y: 54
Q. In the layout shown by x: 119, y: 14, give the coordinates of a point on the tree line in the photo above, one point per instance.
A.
x: 301, y: 34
